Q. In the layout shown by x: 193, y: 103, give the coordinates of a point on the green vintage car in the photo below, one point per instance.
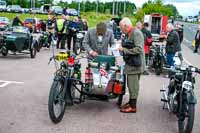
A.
x: 18, y: 40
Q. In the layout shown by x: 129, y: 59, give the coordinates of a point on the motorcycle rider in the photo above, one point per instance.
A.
x: 17, y: 21
x: 97, y: 40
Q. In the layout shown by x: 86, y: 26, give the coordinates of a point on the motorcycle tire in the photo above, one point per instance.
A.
x: 158, y: 67
x: 77, y: 48
x: 56, y: 98
x: 186, y: 125
x: 33, y: 51
x: 38, y: 47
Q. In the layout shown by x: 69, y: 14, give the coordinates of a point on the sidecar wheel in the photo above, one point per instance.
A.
x: 4, y: 52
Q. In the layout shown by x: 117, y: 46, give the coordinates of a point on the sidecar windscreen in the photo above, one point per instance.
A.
x: 105, y: 59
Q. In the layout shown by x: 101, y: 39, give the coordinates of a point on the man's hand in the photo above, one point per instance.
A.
x: 120, y: 49
x: 94, y: 53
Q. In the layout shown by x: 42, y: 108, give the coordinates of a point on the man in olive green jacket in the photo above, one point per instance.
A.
x: 133, y: 72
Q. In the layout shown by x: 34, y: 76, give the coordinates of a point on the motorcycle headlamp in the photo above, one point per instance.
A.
x: 79, y: 35
x: 187, y: 85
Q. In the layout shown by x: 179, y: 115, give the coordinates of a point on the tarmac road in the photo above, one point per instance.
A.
x: 24, y: 102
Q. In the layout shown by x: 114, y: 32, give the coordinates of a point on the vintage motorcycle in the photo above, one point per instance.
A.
x: 179, y: 97
x: 157, y: 58
x: 103, y: 81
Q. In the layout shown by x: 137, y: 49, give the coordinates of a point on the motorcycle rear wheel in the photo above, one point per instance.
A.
x: 56, y: 99
x: 186, y: 125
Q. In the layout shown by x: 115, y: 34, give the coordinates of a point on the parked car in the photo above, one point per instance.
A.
x: 32, y: 24
x: 57, y: 9
x: 72, y: 12
x: 2, y: 6
x: 4, y: 23
x: 14, y: 8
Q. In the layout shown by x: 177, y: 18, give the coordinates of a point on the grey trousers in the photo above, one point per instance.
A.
x: 133, y: 85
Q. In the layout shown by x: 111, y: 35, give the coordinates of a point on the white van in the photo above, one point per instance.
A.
x: 2, y: 5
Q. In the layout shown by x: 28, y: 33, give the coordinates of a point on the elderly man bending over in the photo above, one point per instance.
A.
x: 97, y: 40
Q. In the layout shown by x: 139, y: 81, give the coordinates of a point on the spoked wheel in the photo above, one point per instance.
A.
x: 77, y: 48
x: 158, y: 66
x: 185, y: 124
x: 56, y: 104
x: 33, y: 50
x: 4, y: 51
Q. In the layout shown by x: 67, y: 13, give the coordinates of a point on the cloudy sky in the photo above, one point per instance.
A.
x: 185, y: 7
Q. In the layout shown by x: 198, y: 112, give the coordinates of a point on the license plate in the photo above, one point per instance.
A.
x: 62, y: 56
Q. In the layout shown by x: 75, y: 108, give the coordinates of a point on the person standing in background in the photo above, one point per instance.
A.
x: 147, y: 43
x: 197, y: 40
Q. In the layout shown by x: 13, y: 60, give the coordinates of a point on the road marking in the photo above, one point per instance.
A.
x: 187, y: 62
x: 4, y: 83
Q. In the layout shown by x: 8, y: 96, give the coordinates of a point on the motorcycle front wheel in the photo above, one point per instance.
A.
x: 56, y: 103
x: 186, y: 123
x: 158, y: 66
x: 77, y: 48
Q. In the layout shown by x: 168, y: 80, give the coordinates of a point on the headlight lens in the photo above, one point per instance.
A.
x: 187, y: 85
x: 79, y: 35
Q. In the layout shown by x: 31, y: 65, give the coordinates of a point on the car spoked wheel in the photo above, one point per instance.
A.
x: 4, y: 51
x: 56, y: 104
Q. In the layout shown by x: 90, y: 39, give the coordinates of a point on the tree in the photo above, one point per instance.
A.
x: 174, y: 10
x: 154, y: 7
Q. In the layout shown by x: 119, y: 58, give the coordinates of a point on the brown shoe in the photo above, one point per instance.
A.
x: 125, y: 106
x: 128, y: 109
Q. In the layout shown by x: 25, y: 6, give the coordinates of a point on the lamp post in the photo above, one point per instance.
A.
x: 124, y: 7
x: 97, y: 6
x: 113, y: 11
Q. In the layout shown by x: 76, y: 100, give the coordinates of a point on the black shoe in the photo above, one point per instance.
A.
x: 195, y: 51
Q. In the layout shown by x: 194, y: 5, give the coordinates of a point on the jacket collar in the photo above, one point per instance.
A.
x: 130, y: 30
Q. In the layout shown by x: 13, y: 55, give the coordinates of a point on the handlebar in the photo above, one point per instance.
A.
x: 189, y: 69
x: 96, y: 65
x: 185, y: 69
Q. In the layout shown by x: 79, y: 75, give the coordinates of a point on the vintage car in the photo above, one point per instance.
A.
x: 18, y: 40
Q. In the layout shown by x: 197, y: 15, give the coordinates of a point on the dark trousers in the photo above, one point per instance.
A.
x: 196, y: 45
x: 61, y: 38
x: 69, y: 39
x: 146, y: 58
x: 170, y: 60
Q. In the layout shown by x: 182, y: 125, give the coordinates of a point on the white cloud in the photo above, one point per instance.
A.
x: 184, y: 7
x: 187, y: 8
